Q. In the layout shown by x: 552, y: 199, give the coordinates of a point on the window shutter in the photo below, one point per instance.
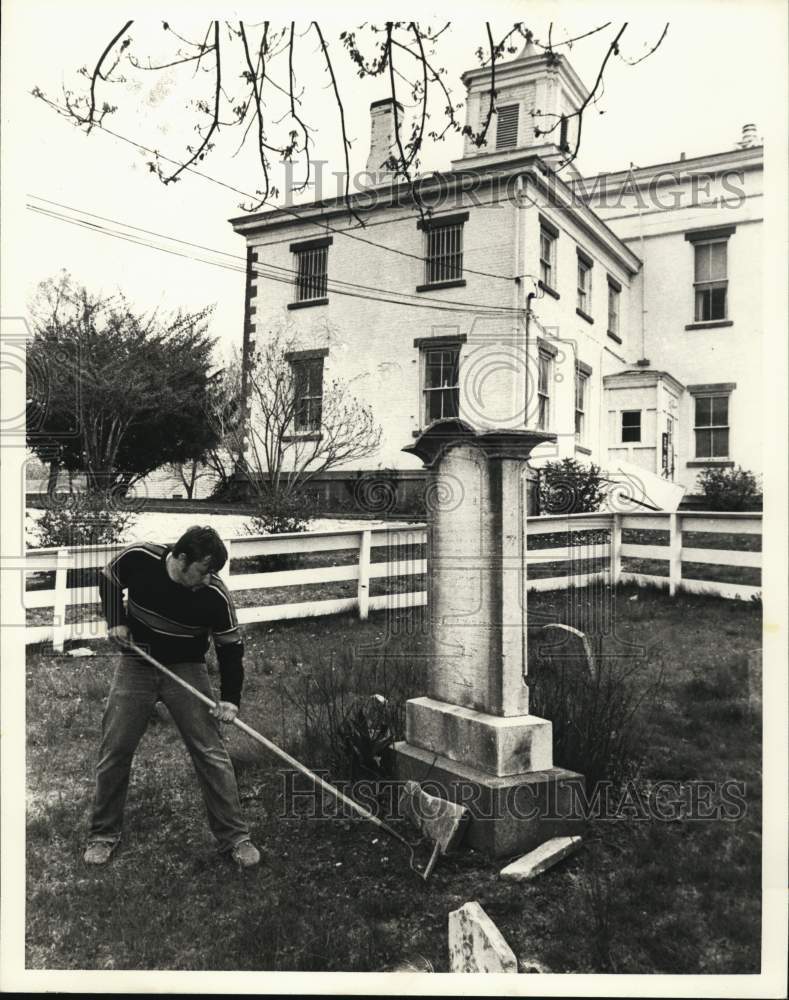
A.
x: 507, y: 126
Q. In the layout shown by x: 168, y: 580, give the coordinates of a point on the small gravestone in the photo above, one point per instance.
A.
x: 540, y: 859
x: 476, y: 944
x: 574, y: 646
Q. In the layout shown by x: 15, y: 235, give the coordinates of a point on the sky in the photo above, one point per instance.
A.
x: 711, y: 75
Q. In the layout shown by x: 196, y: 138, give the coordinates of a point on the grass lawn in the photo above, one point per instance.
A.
x: 678, y: 896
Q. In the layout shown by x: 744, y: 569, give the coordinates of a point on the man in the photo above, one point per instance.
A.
x: 175, y: 602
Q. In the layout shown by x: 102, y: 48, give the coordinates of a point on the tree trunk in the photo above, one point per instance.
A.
x: 54, y: 473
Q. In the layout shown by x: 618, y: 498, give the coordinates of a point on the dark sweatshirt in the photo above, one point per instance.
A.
x: 170, y: 621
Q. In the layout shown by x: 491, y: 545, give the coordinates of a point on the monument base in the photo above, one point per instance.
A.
x: 496, y: 744
x: 509, y: 815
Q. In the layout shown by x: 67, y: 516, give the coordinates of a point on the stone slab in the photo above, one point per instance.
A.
x: 476, y: 944
x: 500, y: 745
x: 541, y: 859
x: 442, y: 821
x: 509, y: 815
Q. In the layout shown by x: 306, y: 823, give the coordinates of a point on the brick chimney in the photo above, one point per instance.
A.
x: 382, y: 135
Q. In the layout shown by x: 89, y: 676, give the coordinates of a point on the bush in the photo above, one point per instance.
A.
x: 595, y: 710
x: 730, y: 489
x: 82, y: 518
x: 236, y: 488
x: 279, y: 513
x: 568, y: 487
x: 352, y: 709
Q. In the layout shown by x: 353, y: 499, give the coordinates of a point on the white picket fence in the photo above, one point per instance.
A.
x: 607, y: 550
x: 613, y: 553
x: 363, y: 541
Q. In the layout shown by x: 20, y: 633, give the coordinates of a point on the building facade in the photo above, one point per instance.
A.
x: 621, y: 312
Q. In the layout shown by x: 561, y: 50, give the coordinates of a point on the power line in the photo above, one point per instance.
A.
x: 95, y: 227
x: 276, y: 208
x: 279, y: 267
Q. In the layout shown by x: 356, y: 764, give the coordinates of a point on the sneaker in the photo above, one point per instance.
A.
x: 245, y: 854
x: 98, y: 852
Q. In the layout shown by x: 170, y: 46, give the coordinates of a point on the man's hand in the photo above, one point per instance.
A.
x: 225, y: 711
x: 119, y: 634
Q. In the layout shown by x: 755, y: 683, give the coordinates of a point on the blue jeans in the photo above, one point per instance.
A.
x: 135, y: 688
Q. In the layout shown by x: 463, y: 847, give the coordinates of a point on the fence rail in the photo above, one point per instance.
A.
x: 733, y: 546
x: 561, y: 550
x: 365, y: 542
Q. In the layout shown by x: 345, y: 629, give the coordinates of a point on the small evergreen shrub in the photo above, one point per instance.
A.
x: 730, y: 489
x: 568, y: 487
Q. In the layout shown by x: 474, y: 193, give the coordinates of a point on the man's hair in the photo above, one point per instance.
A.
x: 199, y: 542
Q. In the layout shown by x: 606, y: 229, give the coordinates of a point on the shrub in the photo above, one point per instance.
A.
x: 232, y: 490
x: 352, y: 709
x: 595, y: 711
x: 730, y: 489
x: 83, y: 518
x: 280, y: 513
x: 568, y: 487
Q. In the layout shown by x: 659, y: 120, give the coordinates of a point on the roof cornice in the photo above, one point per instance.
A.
x: 558, y: 195
x: 529, y: 66
x: 388, y: 194
x: 644, y: 377
x: 751, y: 158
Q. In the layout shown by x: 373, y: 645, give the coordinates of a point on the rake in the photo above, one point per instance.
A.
x: 283, y: 755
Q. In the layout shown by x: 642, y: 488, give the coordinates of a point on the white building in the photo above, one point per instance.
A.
x: 621, y: 312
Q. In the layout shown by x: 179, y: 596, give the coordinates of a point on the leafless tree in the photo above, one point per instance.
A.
x: 246, y: 78
x: 300, y: 426
x: 223, y: 415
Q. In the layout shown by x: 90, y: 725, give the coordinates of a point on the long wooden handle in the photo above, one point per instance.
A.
x: 278, y: 751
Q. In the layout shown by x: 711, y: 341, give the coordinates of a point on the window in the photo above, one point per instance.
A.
x: 712, y: 426
x: 507, y: 126
x: 631, y: 425
x: 547, y: 256
x: 544, y: 372
x: 584, y: 303
x: 710, y: 281
x: 444, y: 257
x: 312, y: 258
x: 710, y: 275
x: 614, y: 290
x: 308, y: 391
x: 442, y: 382
x: 443, y: 250
x: 564, y: 145
x: 582, y: 373
x: 549, y: 234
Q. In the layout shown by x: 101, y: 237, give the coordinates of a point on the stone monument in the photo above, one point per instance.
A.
x: 471, y: 739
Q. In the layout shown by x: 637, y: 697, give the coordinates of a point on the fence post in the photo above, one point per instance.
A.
x: 675, y: 553
x: 59, y: 608
x: 363, y: 593
x: 616, y: 549
x: 224, y: 573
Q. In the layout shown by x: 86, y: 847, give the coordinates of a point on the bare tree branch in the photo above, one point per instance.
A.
x: 655, y: 47
x: 346, y: 145
x: 286, y: 135
x: 90, y: 119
